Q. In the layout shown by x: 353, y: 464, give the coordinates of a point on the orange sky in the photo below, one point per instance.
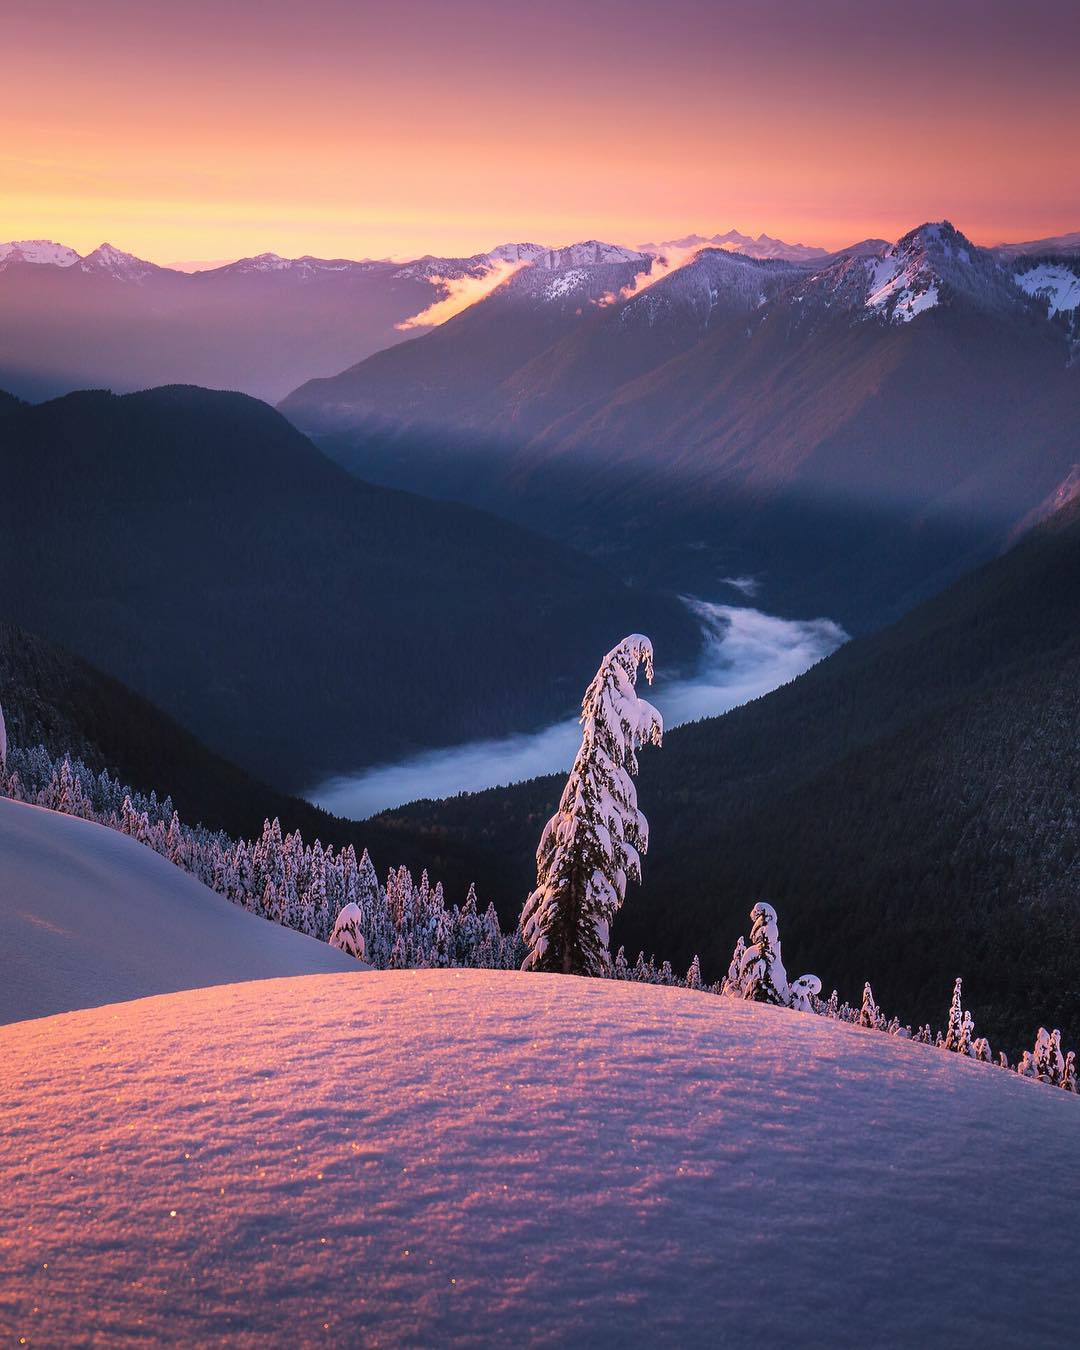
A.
x: 358, y: 129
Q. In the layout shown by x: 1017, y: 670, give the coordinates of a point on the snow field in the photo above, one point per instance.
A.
x: 488, y: 1158
x: 90, y: 916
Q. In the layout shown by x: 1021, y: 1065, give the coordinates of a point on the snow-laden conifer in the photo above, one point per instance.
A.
x: 1045, y: 1062
x: 869, y: 1013
x: 3, y: 741
x: 348, y: 935
x: 732, y: 984
x: 954, y: 1034
x: 804, y: 993
x: 763, y: 977
x: 593, y: 844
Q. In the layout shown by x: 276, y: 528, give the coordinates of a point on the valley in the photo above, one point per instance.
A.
x: 746, y: 654
x: 434, y: 678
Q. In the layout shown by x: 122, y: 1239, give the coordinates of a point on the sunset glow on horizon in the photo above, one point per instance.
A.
x: 358, y: 130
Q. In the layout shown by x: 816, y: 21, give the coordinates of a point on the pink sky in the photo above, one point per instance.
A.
x: 358, y: 129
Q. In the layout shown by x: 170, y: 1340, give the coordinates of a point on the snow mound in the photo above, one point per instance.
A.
x: 90, y: 916
x: 486, y: 1158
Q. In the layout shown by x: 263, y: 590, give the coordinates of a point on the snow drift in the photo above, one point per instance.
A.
x: 89, y: 916
x: 473, y: 1157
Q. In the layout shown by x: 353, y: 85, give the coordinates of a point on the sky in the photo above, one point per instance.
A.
x: 208, y: 130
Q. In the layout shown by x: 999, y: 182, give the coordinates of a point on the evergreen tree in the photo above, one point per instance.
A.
x: 3, y: 742
x: 593, y: 844
x: 732, y: 984
x: 348, y: 933
x: 954, y: 1034
x: 693, y: 975
x: 764, y: 979
x: 805, y: 992
x: 1045, y: 1062
x: 467, y: 938
x: 174, y: 842
x: 869, y: 1013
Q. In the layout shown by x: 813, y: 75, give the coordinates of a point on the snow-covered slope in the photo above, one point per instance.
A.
x: 89, y: 916
x: 480, y: 1158
x: 714, y: 283
x: 1056, y: 283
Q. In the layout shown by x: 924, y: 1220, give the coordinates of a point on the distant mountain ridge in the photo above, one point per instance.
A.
x: 761, y: 247
x: 261, y: 324
x: 854, y: 432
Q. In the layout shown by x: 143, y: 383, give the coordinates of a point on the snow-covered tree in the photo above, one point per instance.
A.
x: 593, y: 844
x: 732, y: 981
x: 1045, y: 1062
x: 804, y: 993
x: 763, y: 977
x: 956, y: 1036
x: 348, y: 932
x: 693, y: 975
x: 869, y: 1013
x: 3, y: 741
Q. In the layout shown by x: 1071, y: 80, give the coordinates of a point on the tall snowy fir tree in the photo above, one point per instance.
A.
x: 593, y: 844
x: 764, y: 979
x: 3, y: 741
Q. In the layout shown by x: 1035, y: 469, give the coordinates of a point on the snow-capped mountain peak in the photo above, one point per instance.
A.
x: 267, y: 262
x: 906, y: 279
x: 587, y: 253
x: 932, y: 266
x: 115, y: 262
x: 517, y: 253
x: 40, y: 251
x: 764, y: 246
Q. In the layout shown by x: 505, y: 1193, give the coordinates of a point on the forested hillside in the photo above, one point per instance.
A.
x: 911, y: 806
x: 297, y: 620
x: 54, y: 699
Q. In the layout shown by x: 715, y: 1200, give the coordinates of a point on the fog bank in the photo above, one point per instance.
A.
x: 746, y: 654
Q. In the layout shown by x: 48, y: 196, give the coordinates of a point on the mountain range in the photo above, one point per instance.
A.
x: 854, y: 433
x: 260, y: 325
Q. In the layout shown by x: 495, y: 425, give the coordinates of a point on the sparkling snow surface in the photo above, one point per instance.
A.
x: 89, y: 916
x: 487, y: 1158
